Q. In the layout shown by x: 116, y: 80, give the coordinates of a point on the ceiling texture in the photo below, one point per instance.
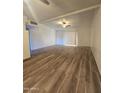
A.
x: 75, y: 20
x: 58, y: 9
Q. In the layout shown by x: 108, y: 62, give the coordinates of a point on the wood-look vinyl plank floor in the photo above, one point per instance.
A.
x: 61, y: 69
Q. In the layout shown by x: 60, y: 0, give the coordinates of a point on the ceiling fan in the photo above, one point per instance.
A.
x: 45, y: 2
x: 64, y: 23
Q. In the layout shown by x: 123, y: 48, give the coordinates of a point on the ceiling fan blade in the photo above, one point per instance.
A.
x: 45, y: 1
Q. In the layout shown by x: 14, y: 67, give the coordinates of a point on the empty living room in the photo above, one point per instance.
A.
x: 61, y: 46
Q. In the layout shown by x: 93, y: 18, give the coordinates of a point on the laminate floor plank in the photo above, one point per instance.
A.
x: 61, y: 69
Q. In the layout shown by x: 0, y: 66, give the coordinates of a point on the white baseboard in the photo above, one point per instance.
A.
x: 69, y: 45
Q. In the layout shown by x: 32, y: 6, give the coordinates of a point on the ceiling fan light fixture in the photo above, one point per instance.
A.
x: 65, y: 26
x: 60, y: 22
x: 64, y: 23
x: 45, y: 2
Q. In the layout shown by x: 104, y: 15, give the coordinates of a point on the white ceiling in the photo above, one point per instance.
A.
x: 26, y: 11
x: 75, y: 20
x: 39, y: 11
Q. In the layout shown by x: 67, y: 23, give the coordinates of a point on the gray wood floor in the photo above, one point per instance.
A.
x: 60, y: 69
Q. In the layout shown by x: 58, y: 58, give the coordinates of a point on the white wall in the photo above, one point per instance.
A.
x: 26, y: 46
x: 84, y: 31
x: 66, y: 37
x: 83, y: 36
x: 95, y: 42
x: 44, y: 37
x: 59, y: 37
x: 70, y: 38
